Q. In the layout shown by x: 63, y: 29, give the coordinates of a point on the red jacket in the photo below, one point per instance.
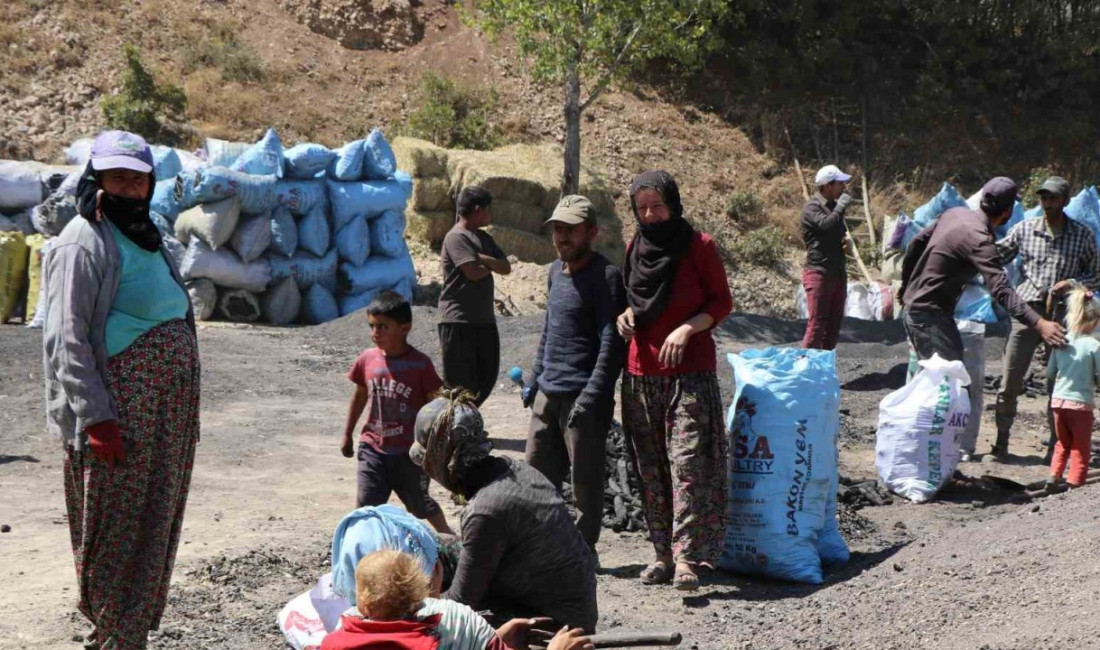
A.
x: 700, y: 286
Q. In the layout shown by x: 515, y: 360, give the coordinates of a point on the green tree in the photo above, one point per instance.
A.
x: 141, y: 103
x: 587, y: 44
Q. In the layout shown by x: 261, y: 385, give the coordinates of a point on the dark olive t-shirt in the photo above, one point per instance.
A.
x: 463, y: 301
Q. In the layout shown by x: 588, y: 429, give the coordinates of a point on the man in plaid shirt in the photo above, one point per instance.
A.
x: 1055, y: 253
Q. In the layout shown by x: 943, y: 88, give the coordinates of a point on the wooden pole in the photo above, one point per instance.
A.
x: 797, y: 167
x: 867, y: 206
x: 859, y: 259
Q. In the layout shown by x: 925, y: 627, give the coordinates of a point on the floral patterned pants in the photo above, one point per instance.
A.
x: 125, y: 521
x: 676, y: 427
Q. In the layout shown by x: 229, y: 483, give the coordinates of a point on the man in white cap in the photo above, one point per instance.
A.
x: 571, y: 391
x: 825, y: 276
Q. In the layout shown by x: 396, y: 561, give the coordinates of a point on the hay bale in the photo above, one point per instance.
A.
x: 526, y: 246
x: 428, y: 227
x: 432, y: 194
x: 521, y: 216
x: 419, y: 157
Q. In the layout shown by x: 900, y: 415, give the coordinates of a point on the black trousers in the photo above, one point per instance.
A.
x: 471, y: 357
x: 577, y: 453
x: 934, y: 332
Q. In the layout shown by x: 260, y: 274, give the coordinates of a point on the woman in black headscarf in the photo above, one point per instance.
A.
x: 677, y: 292
x: 122, y: 385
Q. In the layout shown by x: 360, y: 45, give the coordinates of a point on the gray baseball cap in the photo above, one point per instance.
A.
x: 573, y: 209
x: 121, y: 150
x: 1055, y: 185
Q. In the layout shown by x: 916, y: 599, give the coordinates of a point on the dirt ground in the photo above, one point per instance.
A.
x: 970, y: 570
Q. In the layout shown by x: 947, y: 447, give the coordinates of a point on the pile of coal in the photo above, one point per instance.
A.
x: 860, y: 494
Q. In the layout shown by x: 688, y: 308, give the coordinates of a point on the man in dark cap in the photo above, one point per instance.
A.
x: 940, y: 261
x: 571, y: 390
x: 1055, y: 254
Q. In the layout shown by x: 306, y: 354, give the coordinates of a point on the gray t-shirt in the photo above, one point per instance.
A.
x: 463, y: 301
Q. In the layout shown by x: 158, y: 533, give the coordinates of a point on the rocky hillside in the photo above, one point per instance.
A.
x: 329, y: 70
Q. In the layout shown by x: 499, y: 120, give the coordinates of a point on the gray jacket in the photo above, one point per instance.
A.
x: 81, y: 275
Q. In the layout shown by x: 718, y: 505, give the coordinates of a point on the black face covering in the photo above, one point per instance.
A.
x: 656, y: 249
x: 130, y: 216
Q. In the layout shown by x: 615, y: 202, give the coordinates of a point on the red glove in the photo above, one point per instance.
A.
x: 105, y: 439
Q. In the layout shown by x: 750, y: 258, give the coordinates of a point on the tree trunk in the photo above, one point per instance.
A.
x: 570, y: 180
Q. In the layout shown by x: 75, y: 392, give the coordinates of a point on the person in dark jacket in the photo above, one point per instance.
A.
x: 580, y: 356
x: 825, y: 277
x: 943, y: 257
x: 521, y: 552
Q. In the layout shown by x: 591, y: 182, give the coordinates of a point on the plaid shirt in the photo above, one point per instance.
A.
x: 1046, y: 259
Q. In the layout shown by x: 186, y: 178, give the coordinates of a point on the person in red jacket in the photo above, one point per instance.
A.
x: 677, y: 292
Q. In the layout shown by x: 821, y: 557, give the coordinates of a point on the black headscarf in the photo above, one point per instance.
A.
x: 656, y: 249
x: 130, y: 216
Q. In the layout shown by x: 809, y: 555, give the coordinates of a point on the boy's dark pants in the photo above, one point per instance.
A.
x: 553, y: 446
x: 380, y: 474
x: 471, y: 357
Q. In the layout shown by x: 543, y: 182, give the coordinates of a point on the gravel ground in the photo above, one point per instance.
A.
x: 969, y: 570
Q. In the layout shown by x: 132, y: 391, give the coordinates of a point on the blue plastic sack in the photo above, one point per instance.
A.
x: 353, y: 241
x: 307, y: 160
x: 313, y: 232
x: 975, y: 304
x: 164, y: 199
x: 306, y: 269
x: 264, y: 158
x: 376, y: 273
x: 211, y: 184
x: 387, y: 234
x: 301, y: 196
x: 947, y: 198
x: 405, y: 287
x: 162, y: 224
x: 1085, y: 209
x: 319, y: 306
x: 348, y: 164
x: 1037, y: 211
x: 379, y: 163
x: 370, y: 198
x: 223, y: 153
x: 355, y: 302
x: 166, y: 162
x: 284, y: 232
x: 783, y: 423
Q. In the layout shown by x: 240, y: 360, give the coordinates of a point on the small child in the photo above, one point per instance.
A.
x: 1075, y: 370
x: 392, y: 380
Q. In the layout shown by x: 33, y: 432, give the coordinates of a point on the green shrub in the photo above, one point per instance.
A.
x: 454, y: 115
x: 745, y: 208
x: 764, y: 247
x: 1032, y: 183
x: 142, y: 103
x: 219, y: 48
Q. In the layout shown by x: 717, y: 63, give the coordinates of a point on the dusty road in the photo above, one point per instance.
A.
x: 968, y: 571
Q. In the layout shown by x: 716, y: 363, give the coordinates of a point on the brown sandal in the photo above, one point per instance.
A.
x: 685, y: 581
x: 657, y: 573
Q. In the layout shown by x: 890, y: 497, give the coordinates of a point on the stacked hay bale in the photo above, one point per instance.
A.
x: 524, y: 182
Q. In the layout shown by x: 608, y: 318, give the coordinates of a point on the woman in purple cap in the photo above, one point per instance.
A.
x: 122, y: 390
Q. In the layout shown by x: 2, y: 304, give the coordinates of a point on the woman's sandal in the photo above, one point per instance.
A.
x: 657, y: 573
x: 685, y: 581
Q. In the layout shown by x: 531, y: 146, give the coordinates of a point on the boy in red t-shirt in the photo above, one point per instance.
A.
x: 393, y: 380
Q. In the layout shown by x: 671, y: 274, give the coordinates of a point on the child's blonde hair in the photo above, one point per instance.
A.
x: 1083, y: 313
x: 389, y: 585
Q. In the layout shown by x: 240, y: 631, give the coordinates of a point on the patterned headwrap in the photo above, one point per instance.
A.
x: 376, y: 528
x: 450, y: 438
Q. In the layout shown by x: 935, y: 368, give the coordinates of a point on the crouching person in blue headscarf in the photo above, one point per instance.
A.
x: 521, y: 552
x: 386, y: 564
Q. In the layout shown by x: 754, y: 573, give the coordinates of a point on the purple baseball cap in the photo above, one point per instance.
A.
x: 999, y: 194
x: 121, y: 150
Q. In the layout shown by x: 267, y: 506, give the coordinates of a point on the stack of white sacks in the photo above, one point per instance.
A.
x: 304, y: 234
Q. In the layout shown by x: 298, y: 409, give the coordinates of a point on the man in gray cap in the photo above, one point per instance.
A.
x: 943, y: 257
x: 1055, y: 254
x: 572, y: 385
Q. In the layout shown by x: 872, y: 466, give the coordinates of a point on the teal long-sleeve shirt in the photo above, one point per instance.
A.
x: 1075, y: 369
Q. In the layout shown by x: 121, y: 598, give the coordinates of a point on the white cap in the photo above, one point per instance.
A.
x: 830, y: 173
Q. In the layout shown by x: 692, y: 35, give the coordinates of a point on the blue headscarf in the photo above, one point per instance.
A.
x: 376, y: 528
